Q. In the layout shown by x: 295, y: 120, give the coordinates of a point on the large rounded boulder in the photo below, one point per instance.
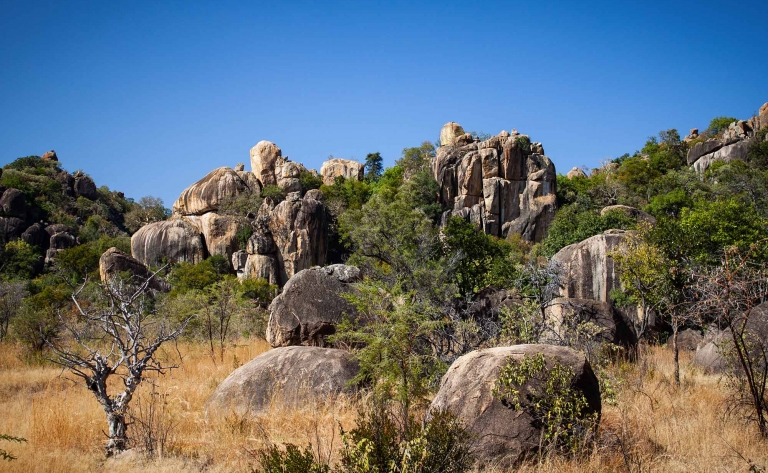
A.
x: 310, y: 306
x: 292, y: 376
x: 171, y: 240
x: 207, y: 194
x: 504, y: 436
x: 337, y: 167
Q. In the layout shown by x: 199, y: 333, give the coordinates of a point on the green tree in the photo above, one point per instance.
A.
x: 374, y: 167
x: 719, y: 124
x: 413, y: 160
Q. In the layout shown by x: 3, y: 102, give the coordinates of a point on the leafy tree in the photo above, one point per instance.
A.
x: 310, y: 180
x: 413, y: 160
x: 374, y: 167
x: 187, y: 276
x: 719, y: 124
x: 573, y: 224
x: 79, y: 261
x: 147, y: 210
x: 11, y: 295
x: 19, y: 260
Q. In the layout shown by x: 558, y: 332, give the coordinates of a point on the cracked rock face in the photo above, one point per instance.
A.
x: 174, y: 240
x: 338, y: 167
x: 208, y: 193
x: 311, y: 305
x: 504, y: 185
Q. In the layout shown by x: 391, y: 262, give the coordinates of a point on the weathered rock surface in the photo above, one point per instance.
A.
x: 62, y: 241
x: 709, y: 353
x: 50, y: 156
x: 175, y: 240
x: 220, y: 232
x: 260, y: 266
x: 588, y: 270
x: 575, y: 172
x: 209, y: 192
x: 290, y: 376
x: 264, y: 159
x: 310, y: 306
x: 113, y: 262
x: 449, y: 133
x: 726, y: 154
x: 338, y: 167
x: 632, y: 212
x: 564, y: 315
x: 504, y: 436
x: 13, y: 204
x: 298, y: 228
x: 502, y: 184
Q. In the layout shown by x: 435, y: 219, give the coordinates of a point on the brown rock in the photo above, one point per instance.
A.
x: 260, y: 267
x: 291, y: 376
x: 505, y: 436
x: 575, y: 172
x: 449, y: 133
x: 50, y: 156
x: 113, y: 262
x: 208, y: 193
x: 264, y: 160
x: 338, y: 167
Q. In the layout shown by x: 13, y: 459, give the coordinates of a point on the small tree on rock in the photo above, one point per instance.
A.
x: 119, y: 335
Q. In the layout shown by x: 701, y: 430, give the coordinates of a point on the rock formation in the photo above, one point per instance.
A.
x: 504, y: 185
x: 290, y: 376
x: 731, y: 144
x: 504, y: 436
x: 345, y: 168
x: 310, y: 306
x: 170, y: 240
x: 588, y: 269
x: 113, y: 262
x: 286, y: 236
x: 575, y: 172
x: 208, y: 193
x: 13, y: 204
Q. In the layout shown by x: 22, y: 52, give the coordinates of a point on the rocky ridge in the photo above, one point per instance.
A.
x: 504, y: 185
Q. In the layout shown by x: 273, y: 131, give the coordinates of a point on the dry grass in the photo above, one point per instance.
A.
x: 653, y: 426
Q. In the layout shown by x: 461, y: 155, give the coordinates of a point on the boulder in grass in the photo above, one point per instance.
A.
x: 290, y: 376
x: 505, y: 436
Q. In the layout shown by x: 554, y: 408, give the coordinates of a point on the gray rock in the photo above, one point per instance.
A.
x: 58, y: 228
x: 310, y: 306
x: 85, y: 187
x: 13, y: 204
x: 588, y: 269
x: 36, y: 235
x: 688, y: 339
x: 700, y: 149
x: 709, y: 354
x: 62, y: 241
x: 504, y: 436
x: 261, y: 267
x: 738, y: 150
x: 290, y: 376
x: 11, y: 229
x: 172, y: 240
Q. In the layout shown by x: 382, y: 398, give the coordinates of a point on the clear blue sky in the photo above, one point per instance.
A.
x: 147, y: 97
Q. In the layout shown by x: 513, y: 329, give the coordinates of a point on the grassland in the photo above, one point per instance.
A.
x: 647, y: 425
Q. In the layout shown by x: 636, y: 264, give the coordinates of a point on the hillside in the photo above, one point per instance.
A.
x: 468, y: 309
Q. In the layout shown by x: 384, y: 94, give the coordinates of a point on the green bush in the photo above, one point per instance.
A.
x: 719, y: 124
x: 291, y: 459
x: 547, y: 395
x: 273, y: 192
x: 309, y: 181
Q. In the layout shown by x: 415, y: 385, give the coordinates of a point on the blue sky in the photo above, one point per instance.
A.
x: 147, y: 97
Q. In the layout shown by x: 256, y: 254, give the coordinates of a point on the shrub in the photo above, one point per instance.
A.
x: 291, y: 459
x: 719, y: 124
x: 309, y: 181
x: 274, y: 192
x: 545, y: 393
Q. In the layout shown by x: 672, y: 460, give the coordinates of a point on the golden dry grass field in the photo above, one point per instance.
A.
x: 651, y: 426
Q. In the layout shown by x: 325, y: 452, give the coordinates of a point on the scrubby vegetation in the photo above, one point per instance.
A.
x: 696, y: 261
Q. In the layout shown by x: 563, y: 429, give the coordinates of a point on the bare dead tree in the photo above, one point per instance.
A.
x: 730, y: 294
x: 119, y: 336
